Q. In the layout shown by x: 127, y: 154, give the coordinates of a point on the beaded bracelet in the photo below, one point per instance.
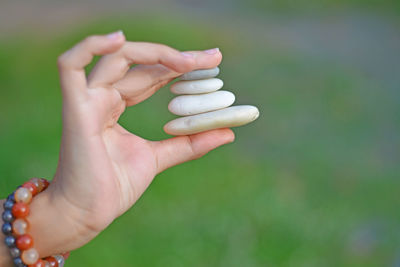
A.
x: 15, y: 227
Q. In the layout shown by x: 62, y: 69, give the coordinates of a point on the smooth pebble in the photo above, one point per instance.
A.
x: 196, y: 87
x: 200, y: 74
x: 228, y: 117
x: 185, y: 105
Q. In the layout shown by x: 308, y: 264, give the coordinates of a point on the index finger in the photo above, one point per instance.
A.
x: 71, y: 64
x: 111, y: 68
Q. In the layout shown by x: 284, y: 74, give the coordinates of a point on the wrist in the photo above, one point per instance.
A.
x: 55, y: 225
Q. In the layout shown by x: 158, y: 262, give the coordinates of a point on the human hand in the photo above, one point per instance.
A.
x: 103, y: 169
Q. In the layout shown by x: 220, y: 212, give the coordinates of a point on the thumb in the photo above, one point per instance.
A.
x: 176, y: 150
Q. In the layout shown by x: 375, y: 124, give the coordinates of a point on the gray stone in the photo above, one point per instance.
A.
x: 200, y: 74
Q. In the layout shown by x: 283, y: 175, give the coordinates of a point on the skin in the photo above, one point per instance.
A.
x: 103, y: 169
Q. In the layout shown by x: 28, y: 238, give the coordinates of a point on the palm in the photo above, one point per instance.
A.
x: 134, y: 164
x: 128, y: 162
x: 130, y: 159
x: 132, y: 167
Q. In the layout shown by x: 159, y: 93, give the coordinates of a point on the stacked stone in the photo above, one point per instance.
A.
x: 204, y: 106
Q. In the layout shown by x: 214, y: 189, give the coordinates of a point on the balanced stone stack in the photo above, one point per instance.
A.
x: 204, y: 106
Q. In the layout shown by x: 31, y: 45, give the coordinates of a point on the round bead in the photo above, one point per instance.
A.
x: 38, y: 183
x: 9, y: 241
x: 15, y: 252
x: 11, y: 197
x: 24, y: 242
x: 47, y: 264
x: 66, y: 255
x: 45, y: 183
x: 6, y: 228
x: 20, y: 226
x: 23, y: 195
x: 18, y: 262
x: 30, y: 256
x: 39, y: 263
x: 31, y: 187
x: 20, y: 210
x: 60, y: 260
x: 53, y: 262
x: 8, y: 204
x: 7, y: 216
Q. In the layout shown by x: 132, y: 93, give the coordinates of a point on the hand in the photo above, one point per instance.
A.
x: 103, y: 169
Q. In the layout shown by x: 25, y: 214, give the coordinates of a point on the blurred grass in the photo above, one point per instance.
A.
x: 313, y: 182
x: 296, y: 6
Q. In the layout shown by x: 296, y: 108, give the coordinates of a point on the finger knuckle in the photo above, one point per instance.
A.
x: 162, y: 49
x: 92, y: 40
x: 62, y: 60
x: 160, y: 46
x: 194, y: 154
x: 169, y: 51
x: 87, y: 39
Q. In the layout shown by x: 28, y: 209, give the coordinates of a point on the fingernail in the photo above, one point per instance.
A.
x: 188, y: 55
x: 212, y: 51
x: 115, y: 35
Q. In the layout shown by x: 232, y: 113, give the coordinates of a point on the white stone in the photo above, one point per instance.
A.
x: 185, y: 105
x: 200, y: 74
x: 196, y: 87
x: 224, y: 118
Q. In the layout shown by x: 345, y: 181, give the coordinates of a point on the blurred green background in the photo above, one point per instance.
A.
x: 313, y: 182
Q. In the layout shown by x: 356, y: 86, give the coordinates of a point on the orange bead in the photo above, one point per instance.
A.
x: 39, y: 263
x: 23, y: 194
x: 20, y: 210
x: 53, y: 262
x: 20, y: 227
x: 24, y: 242
x: 39, y: 183
x: 66, y: 255
x: 45, y: 182
x: 32, y: 187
